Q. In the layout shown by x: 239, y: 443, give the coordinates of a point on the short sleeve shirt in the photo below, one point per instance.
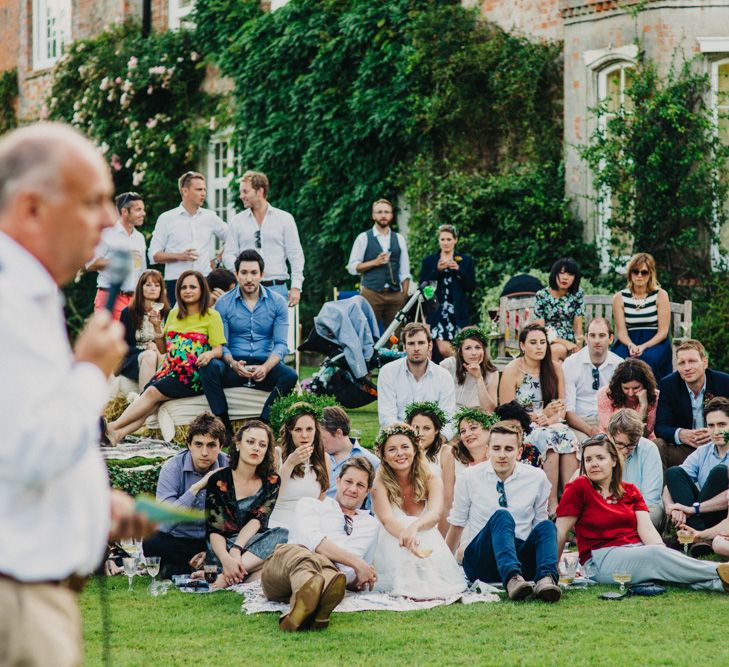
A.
x: 559, y: 313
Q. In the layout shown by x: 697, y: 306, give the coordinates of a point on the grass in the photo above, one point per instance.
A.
x: 201, y: 630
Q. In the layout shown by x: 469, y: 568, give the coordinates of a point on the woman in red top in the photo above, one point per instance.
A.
x: 614, y: 530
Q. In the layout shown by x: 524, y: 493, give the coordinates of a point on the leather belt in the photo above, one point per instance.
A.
x: 74, y: 582
x: 106, y: 289
x: 271, y: 283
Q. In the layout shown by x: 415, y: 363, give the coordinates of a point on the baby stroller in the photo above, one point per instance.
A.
x: 346, y: 332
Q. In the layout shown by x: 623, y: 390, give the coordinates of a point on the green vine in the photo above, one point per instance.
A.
x: 8, y: 100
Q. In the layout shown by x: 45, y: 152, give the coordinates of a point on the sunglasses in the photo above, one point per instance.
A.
x: 126, y: 198
x: 257, y: 237
x: 595, y: 379
x: 348, y: 524
x: 640, y: 272
x: 502, y: 493
x: 600, y: 437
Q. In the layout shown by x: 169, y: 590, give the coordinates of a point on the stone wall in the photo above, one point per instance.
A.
x: 9, y: 37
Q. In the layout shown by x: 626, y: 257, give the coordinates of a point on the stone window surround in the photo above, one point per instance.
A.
x: 60, y: 33
x: 178, y: 15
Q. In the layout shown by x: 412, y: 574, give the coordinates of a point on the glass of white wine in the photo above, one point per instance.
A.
x: 513, y: 352
x: 130, y: 569
x: 685, y: 537
x: 567, y: 571
x: 157, y: 305
x: 153, y: 570
x: 621, y: 577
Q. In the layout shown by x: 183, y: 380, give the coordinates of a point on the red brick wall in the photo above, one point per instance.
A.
x: 540, y: 19
x: 9, y: 33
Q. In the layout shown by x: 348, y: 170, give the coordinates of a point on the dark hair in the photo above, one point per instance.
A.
x: 568, y: 265
x: 515, y: 411
x: 432, y: 452
x: 136, y: 305
x: 221, y: 278
x: 207, y: 424
x: 267, y: 466
x: 486, y: 364
x: 334, y: 417
x: 204, y: 300
x: 361, y: 463
x: 547, y: 375
x: 717, y: 404
x: 318, y: 456
x: 616, y: 480
x: 125, y: 199
x: 412, y: 328
x: 627, y: 371
x: 249, y: 255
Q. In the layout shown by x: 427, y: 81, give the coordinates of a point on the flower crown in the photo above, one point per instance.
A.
x: 426, y: 407
x: 303, y: 408
x: 486, y: 419
x: 398, y: 428
x: 471, y: 332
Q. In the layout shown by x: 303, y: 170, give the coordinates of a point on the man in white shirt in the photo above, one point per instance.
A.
x: 123, y: 235
x: 381, y: 256
x: 504, y: 505
x: 330, y: 548
x: 584, y: 373
x: 56, y: 510
x: 182, y: 237
x: 414, y: 379
x: 270, y: 231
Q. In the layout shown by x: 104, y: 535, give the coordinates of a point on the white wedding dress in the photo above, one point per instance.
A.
x: 400, y: 572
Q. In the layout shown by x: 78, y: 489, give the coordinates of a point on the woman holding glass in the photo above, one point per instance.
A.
x: 305, y: 467
x: 142, y: 320
x: 642, y: 315
x: 614, y: 532
x: 455, y: 276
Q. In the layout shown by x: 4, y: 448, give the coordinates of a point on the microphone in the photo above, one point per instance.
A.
x: 120, y: 266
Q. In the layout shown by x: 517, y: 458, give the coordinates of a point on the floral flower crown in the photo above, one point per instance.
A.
x: 399, y: 428
x: 471, y: 332
x: 302, y: 408
x: 486, y: 419
x: 426, y: 407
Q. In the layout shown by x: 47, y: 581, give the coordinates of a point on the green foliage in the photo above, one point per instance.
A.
x: 8, y: 98
x: 280, y: 406
x: 134, y: 481
x: 660, y: 162
x: 712, y: 324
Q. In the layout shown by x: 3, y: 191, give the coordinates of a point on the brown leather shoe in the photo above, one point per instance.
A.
x: 303, y: 606
x: 518, y: 589
x: 547, y: 590
x: 332, y: 595
x: 723, y: 571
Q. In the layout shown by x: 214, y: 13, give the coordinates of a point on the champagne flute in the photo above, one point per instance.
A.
x: 211, y: 573
x: 621, y: 577
x: 130, y: 569
x: 685, y: 537
x: 153, y: 567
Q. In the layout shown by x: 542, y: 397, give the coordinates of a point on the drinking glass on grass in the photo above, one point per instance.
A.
x: 622, y: 578
x: 130, y: 569
x: 567, y: 571
x: 153, y: 569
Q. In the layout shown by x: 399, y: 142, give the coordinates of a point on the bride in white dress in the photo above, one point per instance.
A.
x: 305, y: 469
x: 411, y: 559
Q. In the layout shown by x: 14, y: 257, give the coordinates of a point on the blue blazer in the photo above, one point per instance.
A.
x: 464, y: 283
x: 674, y: 404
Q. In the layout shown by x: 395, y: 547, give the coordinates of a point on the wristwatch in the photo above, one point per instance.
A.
x: 697, y: 509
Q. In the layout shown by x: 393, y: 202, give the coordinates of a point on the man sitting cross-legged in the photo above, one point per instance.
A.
x: 504, y: 504
x: 182, y: 482
x: 330, y: 548
x: 696, y: 491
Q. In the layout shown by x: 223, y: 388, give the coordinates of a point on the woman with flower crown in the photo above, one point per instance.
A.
x: 412, y: 558
x: 305, y: 468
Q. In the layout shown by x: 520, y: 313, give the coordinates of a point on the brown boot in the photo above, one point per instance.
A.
x: 518, y: 589
x: 723, y: 571
x: 303, y: 606
x: 332, y: 595
x: 547, y: 590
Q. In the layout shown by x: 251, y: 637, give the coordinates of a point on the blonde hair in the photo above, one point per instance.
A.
x: 419, y: 473
x: 257, y: 179
x: 647, y: 259
x: 692, y: 344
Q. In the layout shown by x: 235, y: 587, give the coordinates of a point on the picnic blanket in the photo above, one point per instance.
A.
x: 146, y: 448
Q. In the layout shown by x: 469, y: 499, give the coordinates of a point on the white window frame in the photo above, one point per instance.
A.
x: 717, y: 261
x: 51, y: 31
x: 220, y: 175
x: 277, y: 4
x: 178, y: 15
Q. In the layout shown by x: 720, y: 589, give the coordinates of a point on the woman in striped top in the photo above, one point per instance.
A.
x: 642, y: 315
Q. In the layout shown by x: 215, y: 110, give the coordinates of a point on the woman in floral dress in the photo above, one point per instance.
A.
x: 238, y: 503
x: 194, y: 337
x: 561, y: 308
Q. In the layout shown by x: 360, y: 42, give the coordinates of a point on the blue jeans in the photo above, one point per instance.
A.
x: 170, y: 288
x: 217, y: 375
x: 497, y: 554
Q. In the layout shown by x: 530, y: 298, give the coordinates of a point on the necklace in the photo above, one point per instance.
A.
x: 639, y: 303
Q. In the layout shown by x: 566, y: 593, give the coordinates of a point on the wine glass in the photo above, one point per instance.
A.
x: 513, y: 352
x: 130, y: 569
x: 131, y: 548
x: 153, y: 569
x: 249, y: 381
x: 494, y: 317
x: 685, y: 327
x: 157, y: 305
x: 567, y: 571
x: 621, y: 577
x: 537, y: 407
x: 685, y: 537
x: 211, y: 573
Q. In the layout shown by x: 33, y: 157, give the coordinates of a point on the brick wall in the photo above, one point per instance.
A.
x: 9, y: 37
x: 538, y: 19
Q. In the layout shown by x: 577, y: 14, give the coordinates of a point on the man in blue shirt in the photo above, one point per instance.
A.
x: 256, y: 324
x: 696, y: 491
x: 182, y: 481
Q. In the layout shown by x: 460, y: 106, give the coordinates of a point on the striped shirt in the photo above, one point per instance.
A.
x: 640, y: 313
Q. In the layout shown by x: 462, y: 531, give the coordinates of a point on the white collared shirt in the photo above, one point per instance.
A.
x: 317, y: 520
x: 176, y: 231
x: 54, y: 490
x: 397, y: 388
x: 360, y: 246
x: 115, y: 238
x: 279, y: 242
x: 580, y: 397
x: 475, y: 498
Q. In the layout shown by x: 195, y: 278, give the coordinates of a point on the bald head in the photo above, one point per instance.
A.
x: 55, y: 192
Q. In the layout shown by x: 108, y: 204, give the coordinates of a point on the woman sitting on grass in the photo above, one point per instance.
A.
x: 238, y: 504
x: 428, y: 421
x: 614, y: 530
x: 411, y: 559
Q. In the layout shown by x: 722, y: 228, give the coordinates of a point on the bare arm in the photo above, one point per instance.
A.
x: 564, y: 525
x: 448, y: 471
x: 576, y: 422
x: 366, y: 575
x: 487, y: 392
x: 453, y: 537
x: 663, y: 305
x: 646, y: 531
x: 507, y: 388
x: 621, y: 330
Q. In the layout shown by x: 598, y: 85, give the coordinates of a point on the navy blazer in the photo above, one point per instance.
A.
x: 674, y: 404
x: 464, y: 283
